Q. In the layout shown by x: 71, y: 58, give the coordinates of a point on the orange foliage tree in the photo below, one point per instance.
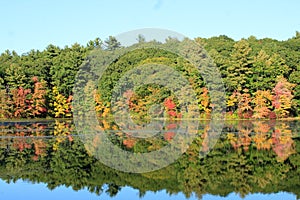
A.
x: 21, y: 102
x: 38, y: 99
x: 282, y: 98
x: 262, y: 103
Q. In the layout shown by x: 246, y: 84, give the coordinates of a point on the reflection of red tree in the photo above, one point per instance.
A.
x: 243, y: 139
x: 70, y: 138
x: 20, y: 143
x: 171, y: 126
x: 35, y: 158
x: 283, y: 145
x: 205, y: 143
x: 129, y: 143
x: 169, y: 135
x: 272, y: 115
x: 172, y: 113
x: 39, y: 147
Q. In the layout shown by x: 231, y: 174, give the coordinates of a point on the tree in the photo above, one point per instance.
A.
x: 97, y: 43
x: 5, y: 103
x: 141, y: 38
x: 112, y: 43
x: 15, y: 76
x: 244, y: 104
x: 65, y: 67
x: 282, y: 98
x: 61, y: 106
x: 21, y: 102
x: 262, y: 102
x: 38, y: 99
x: 239, y: 66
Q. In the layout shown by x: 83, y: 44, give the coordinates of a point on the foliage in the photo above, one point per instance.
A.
x: 27, y: 81
x: 61, y: 106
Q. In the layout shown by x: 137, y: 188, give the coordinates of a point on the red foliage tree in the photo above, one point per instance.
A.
x: 38, y: 100
x: 282, y: 98
x: 21, y: 102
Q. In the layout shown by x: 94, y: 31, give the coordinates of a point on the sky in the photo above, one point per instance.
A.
x: 34, y: 24
x: 27, y: 190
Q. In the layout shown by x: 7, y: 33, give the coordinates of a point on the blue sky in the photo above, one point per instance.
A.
x: 26, y: 190
x: 34, y: 24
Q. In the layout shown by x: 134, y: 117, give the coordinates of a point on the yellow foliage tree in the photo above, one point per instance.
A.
x: 61, y: 105
x: 262, y: 102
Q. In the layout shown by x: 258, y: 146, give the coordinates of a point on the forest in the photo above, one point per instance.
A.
x: 261, y: 78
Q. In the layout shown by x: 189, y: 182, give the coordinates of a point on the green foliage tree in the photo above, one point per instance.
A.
x: 239, y: 66
x: 112, y: 43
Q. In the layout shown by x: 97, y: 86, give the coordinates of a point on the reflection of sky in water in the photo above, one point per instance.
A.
x: 24, y: 190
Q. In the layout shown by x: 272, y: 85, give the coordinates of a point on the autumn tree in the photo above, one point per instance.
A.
x: 282, y: 98
x: 38, y: 98
x: 262, y: 103
x: 21, y: 102
x: 61, y: 106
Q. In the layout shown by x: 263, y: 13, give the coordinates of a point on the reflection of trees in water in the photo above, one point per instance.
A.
x: 264, y: 135
x: 250, y: 157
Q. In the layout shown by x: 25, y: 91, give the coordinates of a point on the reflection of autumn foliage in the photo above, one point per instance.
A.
x: 20, y: 143
x: 256, y: 170
x: 129, y: 143
x: 39, y: 147
x: 25, y: 138
x: 205, y: 143
x: 62, y: 131
x: 169, y: 135
x: 283, y: 144
x: 262, y: 141
x: 171, y: 126
x: 262, y: 137
x: 243, y: 139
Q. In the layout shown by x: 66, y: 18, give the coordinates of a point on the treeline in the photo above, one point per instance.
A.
x: 261, y: 77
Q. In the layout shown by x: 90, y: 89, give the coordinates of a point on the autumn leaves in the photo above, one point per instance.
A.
x: 263, y: 103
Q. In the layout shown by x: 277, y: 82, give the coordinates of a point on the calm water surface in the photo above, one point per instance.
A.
x: 250, y: 160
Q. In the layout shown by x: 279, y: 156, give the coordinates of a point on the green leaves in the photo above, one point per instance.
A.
x: 252, y: 64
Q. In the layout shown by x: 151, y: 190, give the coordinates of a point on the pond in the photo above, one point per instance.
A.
x: 49, y: 159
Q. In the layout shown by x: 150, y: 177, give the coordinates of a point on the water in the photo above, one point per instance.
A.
x: 249, y: 160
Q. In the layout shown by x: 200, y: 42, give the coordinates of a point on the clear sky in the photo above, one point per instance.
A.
x: 26, y: 190
x: 34, y: 24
